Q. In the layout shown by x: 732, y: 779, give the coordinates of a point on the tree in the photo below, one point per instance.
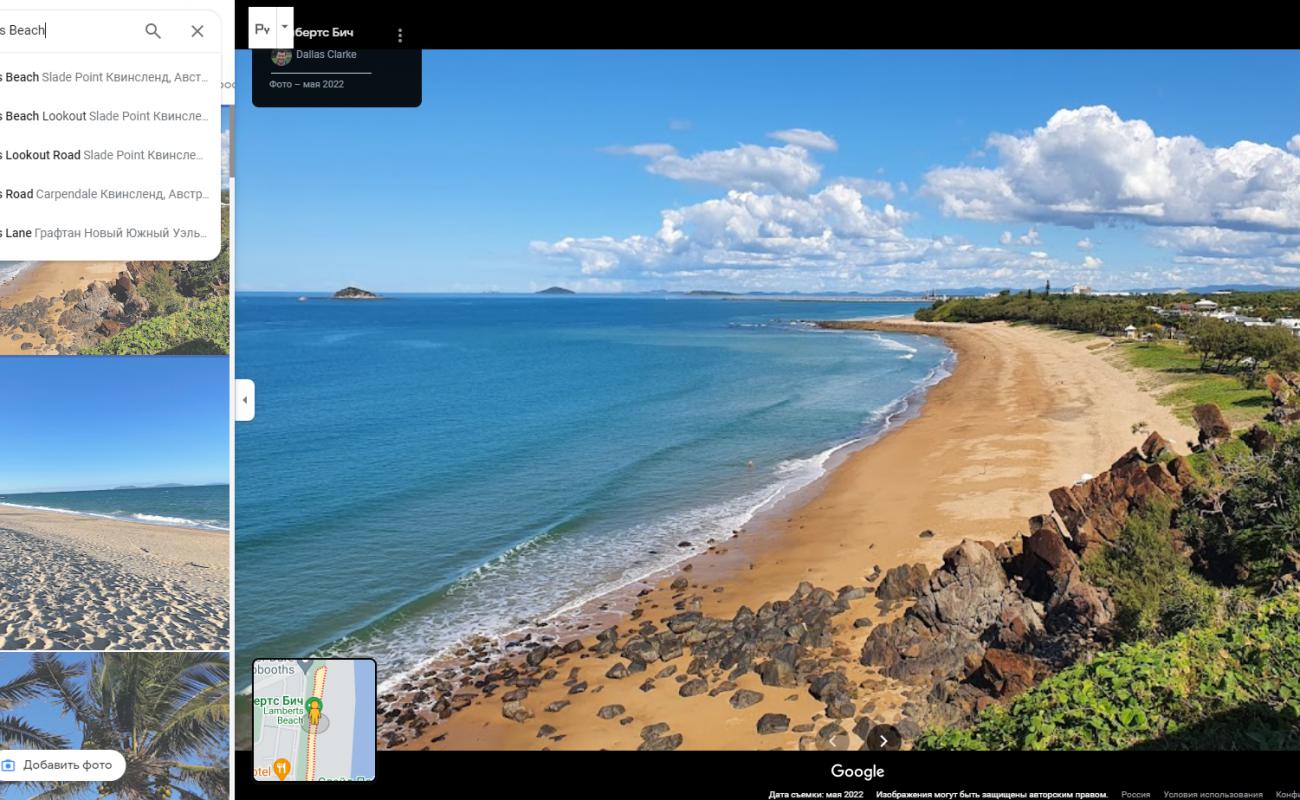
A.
x: 15, y: 732
x: 166, y: 713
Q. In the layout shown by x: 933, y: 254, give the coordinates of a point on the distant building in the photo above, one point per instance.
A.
x: 1290, y: 323
x: 1080, y: 288
x: 1203, y: 305
x: 1131, y: 332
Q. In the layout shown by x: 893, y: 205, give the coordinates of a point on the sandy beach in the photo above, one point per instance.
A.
x: 90, y: 583
x: 49, y: 279
x: 1026, y: 410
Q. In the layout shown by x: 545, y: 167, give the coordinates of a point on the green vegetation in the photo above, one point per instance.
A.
x: 1183, y: 385
x: 1206, y: 662
x: 1198, y: 359
x: 189, y: 307
x: 1150, y: 581
x: 166, y: 713
x: 1227, y: 348
x: 1084, y: 313
x: 1234, y: 686
x: 1244, y: 519
x: 1247, y: 351
x: 1100, y: 314
x: 202, y: 328
x: 161, y: 291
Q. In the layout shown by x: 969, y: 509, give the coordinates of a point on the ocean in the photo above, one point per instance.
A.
x: 199, y: 507
x: 423, y: 468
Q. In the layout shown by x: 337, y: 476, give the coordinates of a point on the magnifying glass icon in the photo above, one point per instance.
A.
x: 151, y: 29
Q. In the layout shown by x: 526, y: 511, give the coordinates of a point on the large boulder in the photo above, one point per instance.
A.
x: 1155, y: 446
x: 1077, y: 606
x: 1045, y: 560
x: 1213, y: 429
x: 1286, y: 397
x: 945, y: 631
x: 1007, y: 674
x: 902, y: 583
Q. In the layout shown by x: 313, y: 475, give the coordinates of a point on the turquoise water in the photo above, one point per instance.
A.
x: 423, y: 468
x: 201, y: 507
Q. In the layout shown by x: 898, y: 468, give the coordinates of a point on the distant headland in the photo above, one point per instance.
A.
x: 556, y: 290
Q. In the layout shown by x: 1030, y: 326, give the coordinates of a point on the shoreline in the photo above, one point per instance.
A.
x: 608, y: 603
x: 156, y: 520
x: 50, y: 280
x: 94, y: 583
x: 1024, y: 411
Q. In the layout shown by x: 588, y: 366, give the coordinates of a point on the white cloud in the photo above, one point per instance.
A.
x: 1294, y: 144
x: 827, y: 239
x: 748, y: 167
x: 813, y: 140
x: 1088, y: 166
x: 1084, y: 244
x: 1029, y: 238
x: 1266, y: 255
x: 868, y: 187
x: 1092, y: 262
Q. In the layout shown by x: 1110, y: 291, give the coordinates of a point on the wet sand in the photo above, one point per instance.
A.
x: 1026, y: 410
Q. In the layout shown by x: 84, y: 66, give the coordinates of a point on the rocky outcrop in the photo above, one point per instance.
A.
x: 1155, y: 446
x: 991, y: 621
x: 954, y: 618
x: 1094, y: 511
x: 1213, y: 429
x: 996, y: 619
x: 1285, y: 389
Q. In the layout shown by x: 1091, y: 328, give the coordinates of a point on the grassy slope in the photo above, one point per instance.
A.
x: 1175, y: 374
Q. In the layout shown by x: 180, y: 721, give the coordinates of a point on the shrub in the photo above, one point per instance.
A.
x: 1233, y: 686
x: 1245, y: 521
x: 1155, y: 592
x: 202, y: 328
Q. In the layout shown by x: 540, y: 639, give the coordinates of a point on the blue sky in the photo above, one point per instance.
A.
x: 96, y: 423
x: 42, y: 712
x: 808, y: 171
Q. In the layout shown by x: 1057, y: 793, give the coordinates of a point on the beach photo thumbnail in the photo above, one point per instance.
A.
x: 165, y: 714
x: 121, y: 307
x: 114, y: 504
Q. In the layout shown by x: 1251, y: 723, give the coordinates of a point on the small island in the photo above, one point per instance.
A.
x: 556, y: 290
x: 353, y: 293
